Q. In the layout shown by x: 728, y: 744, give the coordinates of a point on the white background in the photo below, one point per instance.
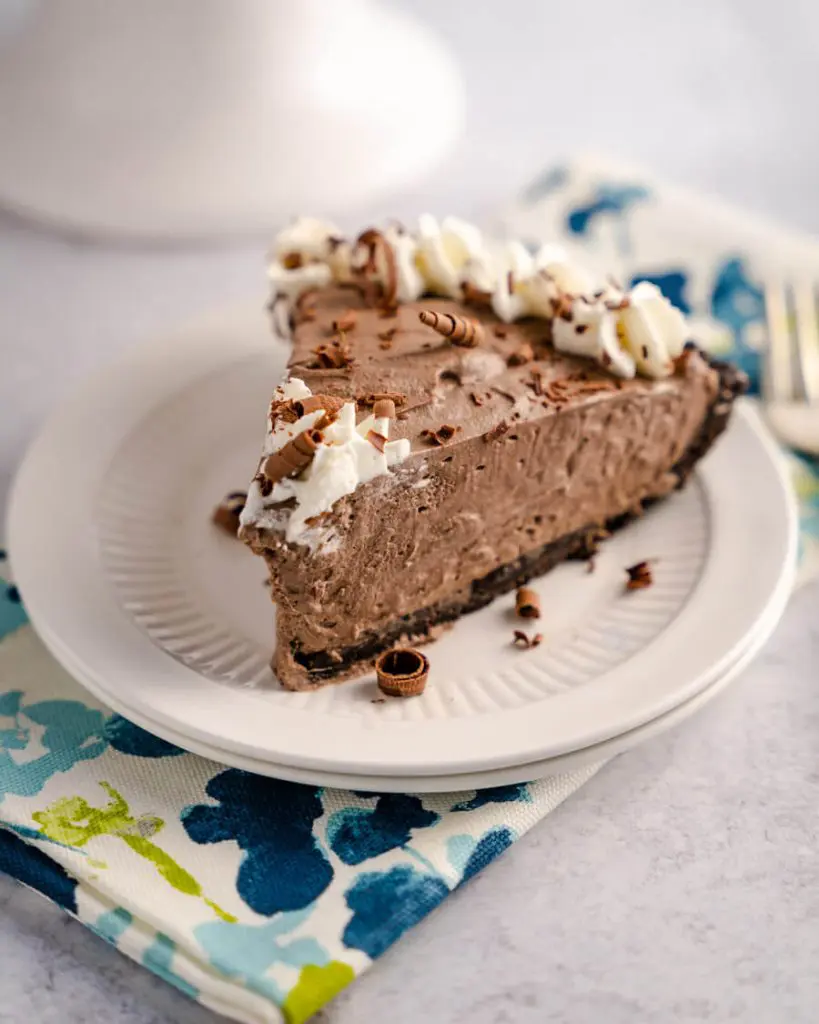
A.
x: 682, y: 883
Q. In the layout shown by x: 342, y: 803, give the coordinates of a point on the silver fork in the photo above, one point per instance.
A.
x: 790, y: 379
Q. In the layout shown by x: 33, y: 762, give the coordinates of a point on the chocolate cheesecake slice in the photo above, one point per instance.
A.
x: 454, y: 422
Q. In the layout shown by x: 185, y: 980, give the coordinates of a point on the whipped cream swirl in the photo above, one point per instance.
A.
x: 343, y: 460
x: 634, y: 332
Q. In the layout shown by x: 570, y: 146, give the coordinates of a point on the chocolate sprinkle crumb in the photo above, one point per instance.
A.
x: 497, y: 431
x: 524, y: 642
x: 523, y: 354
x: 500, y: 332
x: 639, y: 576
x: 346, y: 322
x: 387, y: 335
x: 440, y: 436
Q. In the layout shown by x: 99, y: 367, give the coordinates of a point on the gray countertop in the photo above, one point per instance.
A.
x: 682, y: 883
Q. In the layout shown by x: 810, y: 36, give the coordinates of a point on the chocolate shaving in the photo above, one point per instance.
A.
x: 382, y: 294
x: 497, y: 431
x: 524, y: 642
x: 346, y: 322
x: 402, y: 672
x: 460, y: 330
x: 227, y: 512
x: 384, y: 408
x: 473, y: 296
x: 527, y: 604
x: 293, y: 458
x: 282, y: 410
x: 381, y: 396
x: 536, y: 383
x: 265, y: 486
x: 387, y: 335
x: 440, y: 436
x: 523, y: 354
x: 378, y: 441
x: 500, y: 331
x: 639, y: 576
x: 476, y: 398
x: 304, y: 309
x: 563, y: 390
x: 292, y: 260
x: 334, y: 355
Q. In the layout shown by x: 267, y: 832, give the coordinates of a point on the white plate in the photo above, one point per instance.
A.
x: 575, y: 760
x: 118, y: 563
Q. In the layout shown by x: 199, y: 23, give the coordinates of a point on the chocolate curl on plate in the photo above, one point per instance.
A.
x: 293, y: 458
x: 460, y: 330
x: 639, y: 576
x: 402, y: 672
x: 527, y: 604
x: 384, y: 293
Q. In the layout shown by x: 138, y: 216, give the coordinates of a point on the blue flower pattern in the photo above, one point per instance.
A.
x: 356, y: 835
x: 272, y: 822
x: 386, y: 904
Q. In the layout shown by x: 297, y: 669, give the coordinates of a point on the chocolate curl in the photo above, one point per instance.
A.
x: 460, y: 330
x: 378, y: 441
x: 293, y: 458
x: 377, y: 293
x: 527, y: 604
x: 329, y: 403
x: 402, y: 672
x: 384, y: 408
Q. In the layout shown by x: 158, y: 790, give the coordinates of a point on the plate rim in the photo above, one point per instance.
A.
x: 572, y: 761
x: 132, y: 658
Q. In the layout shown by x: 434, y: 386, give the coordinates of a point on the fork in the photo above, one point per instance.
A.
x: 790, y: 378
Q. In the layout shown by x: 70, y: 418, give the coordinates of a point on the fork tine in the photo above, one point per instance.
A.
x: 807, y: 336
x: 778, y: 382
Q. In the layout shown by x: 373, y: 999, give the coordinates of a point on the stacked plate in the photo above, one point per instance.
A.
x: 167, y: 620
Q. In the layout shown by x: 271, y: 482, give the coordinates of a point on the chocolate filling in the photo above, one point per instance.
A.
x: 322, y: 666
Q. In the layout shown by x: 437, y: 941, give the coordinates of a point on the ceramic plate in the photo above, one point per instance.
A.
x: 575, y: 760
x: 160, y: 613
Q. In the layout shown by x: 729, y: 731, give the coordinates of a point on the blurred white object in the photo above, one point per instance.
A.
x: 185, y: 118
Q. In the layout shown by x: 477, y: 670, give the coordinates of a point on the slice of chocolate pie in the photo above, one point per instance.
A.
x: 454, y: 422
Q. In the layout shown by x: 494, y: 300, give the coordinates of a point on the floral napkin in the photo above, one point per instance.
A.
x: 262, y: 899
